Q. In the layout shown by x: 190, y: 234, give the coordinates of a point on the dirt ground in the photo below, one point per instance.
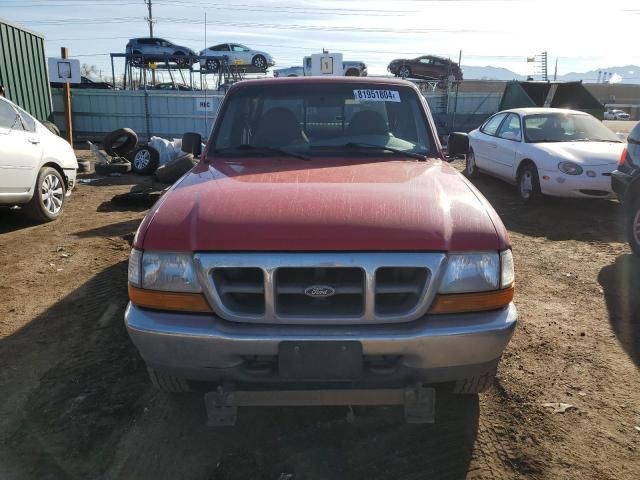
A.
x: 75, y: 402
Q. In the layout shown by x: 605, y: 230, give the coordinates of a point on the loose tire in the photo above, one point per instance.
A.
x: 352, y: 72
x: 172, y: 171
x: 473, y: 385
x: 52, y: 127
x: 120, y: 142
x: 213, y: 65
x: 168, y: 383
x: 144, y: 160
x: 529, y: 184
x: 633, y: 224
x: 404, y: 71
x: 259, y: 62
x: 48, y: 198
x: 470, y: 167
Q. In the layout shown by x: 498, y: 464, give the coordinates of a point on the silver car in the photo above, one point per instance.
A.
x: 152, y: 49
x: 236, y: 55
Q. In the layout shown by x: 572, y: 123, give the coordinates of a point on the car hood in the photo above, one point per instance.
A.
x: 588, y: 154
x: 283, y: 204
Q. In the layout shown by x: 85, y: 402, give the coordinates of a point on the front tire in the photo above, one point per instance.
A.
x: 633, y: 225
x: 213, y: 65
x: 529, y: 184
x: 470, y: 167
x: 168, y: 383
x: 260, y: 63
x: 48, y: 198
x: 404, y: 72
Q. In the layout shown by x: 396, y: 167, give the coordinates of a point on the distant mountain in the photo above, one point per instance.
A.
x: 489, y: 73
x: 625, y: 74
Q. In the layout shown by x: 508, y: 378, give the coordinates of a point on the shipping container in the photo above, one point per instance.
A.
x: 23, y: 69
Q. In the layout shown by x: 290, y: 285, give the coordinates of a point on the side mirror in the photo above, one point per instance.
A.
x: 458, y: 145
x: 192, y: 143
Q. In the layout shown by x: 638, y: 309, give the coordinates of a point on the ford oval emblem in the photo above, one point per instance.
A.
x: 319, y: 291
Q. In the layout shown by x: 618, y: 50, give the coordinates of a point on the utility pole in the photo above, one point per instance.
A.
x: 150, y: 21
x: 555, y: 71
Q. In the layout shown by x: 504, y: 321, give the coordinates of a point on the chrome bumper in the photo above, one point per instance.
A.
x: 203, y: 347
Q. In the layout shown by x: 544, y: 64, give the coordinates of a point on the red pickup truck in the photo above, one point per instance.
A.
x: 323, y: 251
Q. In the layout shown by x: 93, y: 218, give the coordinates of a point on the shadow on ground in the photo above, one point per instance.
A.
x: 621, y: 284
x: 555, y: 218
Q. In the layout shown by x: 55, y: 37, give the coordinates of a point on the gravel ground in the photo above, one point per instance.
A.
x: 75, y: 401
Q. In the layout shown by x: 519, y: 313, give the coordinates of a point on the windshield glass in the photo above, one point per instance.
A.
x: 322, y: 119
x: 566, y: 127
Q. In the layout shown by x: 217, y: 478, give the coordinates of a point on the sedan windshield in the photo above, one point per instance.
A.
x: 324, y: 119
x: 566, y: 127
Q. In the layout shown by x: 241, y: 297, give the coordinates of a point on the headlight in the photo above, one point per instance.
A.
x: 471, y: 272
x: 570, y: 168
x: 171, y: 272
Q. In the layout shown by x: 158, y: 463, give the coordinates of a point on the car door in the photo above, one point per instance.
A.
x: 241, y: 54
x: 485, y: 145
x: 423, y: 67
x: 20, y: 151
x: 508, y: 141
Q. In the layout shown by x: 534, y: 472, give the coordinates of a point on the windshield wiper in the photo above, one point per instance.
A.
x: 596, y: 140
x: 264, y: 148
x: 372, y: 146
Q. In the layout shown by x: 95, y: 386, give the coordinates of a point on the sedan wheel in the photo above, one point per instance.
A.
x: 404, y: 72
x: 529, y: 184
x: 213, y: 65
x: 470, y: 169
x: 260, y: 62
x: 48, y: 196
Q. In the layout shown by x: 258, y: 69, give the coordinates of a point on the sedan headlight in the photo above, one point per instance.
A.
x: 570, y: 168
x: 471, y: 272
x: 169, y: 272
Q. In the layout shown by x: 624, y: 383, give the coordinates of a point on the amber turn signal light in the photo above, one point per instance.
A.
x: 472, y: 302
x: 184, y: 302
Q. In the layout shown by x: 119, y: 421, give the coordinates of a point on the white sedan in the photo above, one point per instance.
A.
x: 37, y: 168
x: 237, y: 55
x: 546, y: 151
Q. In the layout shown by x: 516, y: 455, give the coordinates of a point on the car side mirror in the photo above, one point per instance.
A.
x: 192, y: 143
x: 458, y: 145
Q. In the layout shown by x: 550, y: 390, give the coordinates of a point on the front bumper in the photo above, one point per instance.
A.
x: 558, y: 184
x: 434, y: 349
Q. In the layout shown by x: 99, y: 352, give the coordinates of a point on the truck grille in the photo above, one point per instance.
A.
x: 346, y: 299
x: 323, y: 288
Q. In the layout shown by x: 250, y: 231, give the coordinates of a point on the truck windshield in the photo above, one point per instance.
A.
x: 325, y: 119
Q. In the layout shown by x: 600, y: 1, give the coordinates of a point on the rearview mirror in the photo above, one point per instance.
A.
x: 458, y: 145
x: 192, y: 143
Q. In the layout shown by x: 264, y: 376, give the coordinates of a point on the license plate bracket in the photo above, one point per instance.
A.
x: 320, y: 360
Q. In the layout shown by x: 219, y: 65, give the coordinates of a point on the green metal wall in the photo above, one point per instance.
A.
x: 23, y: 69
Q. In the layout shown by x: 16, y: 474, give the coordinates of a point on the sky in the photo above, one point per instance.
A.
x: 583, y: 34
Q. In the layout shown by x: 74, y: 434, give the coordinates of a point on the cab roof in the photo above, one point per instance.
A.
x: 340, y: 79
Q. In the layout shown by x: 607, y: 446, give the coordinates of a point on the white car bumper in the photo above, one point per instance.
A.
x: 593, y: 182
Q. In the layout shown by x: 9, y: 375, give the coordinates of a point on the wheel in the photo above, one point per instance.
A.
x: 404, y: 71
x: 48, y: 196
x: 180, y: 59
x: 633, y: 225
x: 120, y: 142
x: 213, y: 65
x: 136, y: 58
x: 171, y: 172
x: 259, y: 62
x: 168, y: 383
x: 352, y: 72
x: 529, y: 184
x: 145, y: 160
x: 52, y: 127
x: 472, y: 385
x: 470, y: 167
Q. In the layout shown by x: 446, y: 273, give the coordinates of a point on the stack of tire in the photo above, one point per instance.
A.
x: 127, y: 156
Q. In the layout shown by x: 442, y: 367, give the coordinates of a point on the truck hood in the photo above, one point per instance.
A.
x: 282, y: 204
x: 587, y: 154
